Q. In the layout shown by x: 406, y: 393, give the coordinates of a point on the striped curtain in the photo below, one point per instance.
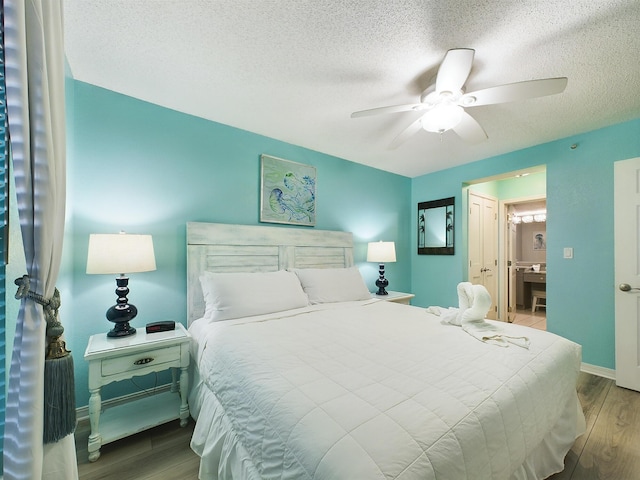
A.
x: 35, y: 99
x: 4, y: 192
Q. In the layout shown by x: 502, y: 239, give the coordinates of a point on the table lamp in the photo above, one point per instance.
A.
x: 381, y: 252
x: 120, y: 253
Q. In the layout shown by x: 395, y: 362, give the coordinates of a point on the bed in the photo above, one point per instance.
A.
x: 299, y: 374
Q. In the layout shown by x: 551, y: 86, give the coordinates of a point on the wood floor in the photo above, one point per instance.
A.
x: 161, y: 453
x: 609, y: 450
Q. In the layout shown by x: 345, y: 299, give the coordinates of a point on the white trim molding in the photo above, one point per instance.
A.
x: 598, y: 371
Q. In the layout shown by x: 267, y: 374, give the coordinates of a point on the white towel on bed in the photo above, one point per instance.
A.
x: 474, y: 302
x: 473, y: 318
x: 448, y: 315
x: 453, y: 315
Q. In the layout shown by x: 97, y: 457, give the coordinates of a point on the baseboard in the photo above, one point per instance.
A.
x: 598, y: 371
x: 82, y: 413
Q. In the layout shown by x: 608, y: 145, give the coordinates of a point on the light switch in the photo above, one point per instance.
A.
x: 568, y: 252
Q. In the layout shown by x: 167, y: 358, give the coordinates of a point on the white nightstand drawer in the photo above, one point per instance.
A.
x: 140, y: 360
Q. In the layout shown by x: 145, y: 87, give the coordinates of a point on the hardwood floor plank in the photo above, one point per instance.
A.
x: 611, y: 452
x: 592, y: 392
x: 162, y: 452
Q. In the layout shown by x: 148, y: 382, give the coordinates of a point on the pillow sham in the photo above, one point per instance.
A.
x: 327, y: 285
x: 235, y: 295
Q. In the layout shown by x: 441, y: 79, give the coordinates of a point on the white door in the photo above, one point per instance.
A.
x: 475, y: 239
x: 511, y: 271
x: 483, y: 245
x: 627, y: 271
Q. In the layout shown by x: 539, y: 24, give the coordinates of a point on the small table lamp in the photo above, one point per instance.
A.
x: 121, y: 253
x: 381, y: 252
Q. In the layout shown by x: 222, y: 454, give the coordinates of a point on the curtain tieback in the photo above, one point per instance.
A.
x: 59, y: 383
x: 57, y: 347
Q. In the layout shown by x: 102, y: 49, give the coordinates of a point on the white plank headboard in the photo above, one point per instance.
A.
x: 218, y: 247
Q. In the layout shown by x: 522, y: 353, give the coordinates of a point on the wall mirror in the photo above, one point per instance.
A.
x: 435, y: 227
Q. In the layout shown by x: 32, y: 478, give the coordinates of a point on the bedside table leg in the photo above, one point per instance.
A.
x: 184, y: 391
x: 95, y: 440
x: 174, y: 380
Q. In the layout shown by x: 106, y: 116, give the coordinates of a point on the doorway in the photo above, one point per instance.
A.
x: 514, y: 191
x: 526, y: 261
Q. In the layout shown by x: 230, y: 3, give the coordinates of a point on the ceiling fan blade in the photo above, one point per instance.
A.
x: 408, y: 132
x: 513, y: 92
x: 470, y: 130
x: 454, y: 70
x: 391, y: 109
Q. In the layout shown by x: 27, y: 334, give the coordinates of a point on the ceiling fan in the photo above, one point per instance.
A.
x: 444, y: 102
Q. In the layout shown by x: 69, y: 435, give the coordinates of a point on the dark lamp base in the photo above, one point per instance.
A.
x: 122, y: 312
x: 382, y: 283
x: 120, y: 315
x: 121, y: 330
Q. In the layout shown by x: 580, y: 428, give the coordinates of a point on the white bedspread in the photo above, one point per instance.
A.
x: 376, y: 390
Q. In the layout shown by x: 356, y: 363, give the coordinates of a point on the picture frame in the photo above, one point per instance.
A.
x: 287, y: 192
x: 539, y: 241
x: 436, y: 227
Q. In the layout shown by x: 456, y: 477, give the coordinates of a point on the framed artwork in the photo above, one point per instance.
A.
x: 436, y: 227
x: 539, y: 241
x: 287, y: 192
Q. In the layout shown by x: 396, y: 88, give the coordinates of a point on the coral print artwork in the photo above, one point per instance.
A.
x: 287, y: 192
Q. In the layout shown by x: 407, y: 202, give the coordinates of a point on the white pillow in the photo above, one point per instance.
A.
x: 235, y: 295
x: 325, y: 285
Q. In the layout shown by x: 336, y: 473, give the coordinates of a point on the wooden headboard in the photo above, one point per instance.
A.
x: 218, y: 247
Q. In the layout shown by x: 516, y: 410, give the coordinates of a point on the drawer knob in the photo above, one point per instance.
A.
x: 143, y: 361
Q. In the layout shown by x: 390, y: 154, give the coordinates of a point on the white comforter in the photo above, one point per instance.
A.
x: 377, y: 390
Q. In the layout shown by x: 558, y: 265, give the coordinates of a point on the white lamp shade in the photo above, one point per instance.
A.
x: 381, y: 252
x: 120, y: 253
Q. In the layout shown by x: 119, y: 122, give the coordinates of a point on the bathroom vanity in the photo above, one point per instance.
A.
x: 526, y: 280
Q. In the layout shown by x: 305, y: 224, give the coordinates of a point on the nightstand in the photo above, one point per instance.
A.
x: 116, y: 359
x: 396, y: 297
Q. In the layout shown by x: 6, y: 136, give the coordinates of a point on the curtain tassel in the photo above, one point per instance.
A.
x: 59, y: 384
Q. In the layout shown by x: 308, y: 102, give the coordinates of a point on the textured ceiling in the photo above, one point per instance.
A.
x: 295, y: 70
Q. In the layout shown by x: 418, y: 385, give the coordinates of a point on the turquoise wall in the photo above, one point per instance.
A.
x: 142, y: 168
x: 532, y: 185
x: 579, y: 189
x: 146, y: 169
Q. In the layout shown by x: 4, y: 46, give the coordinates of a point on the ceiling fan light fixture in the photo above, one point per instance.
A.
x: 442, y: 117
x: 445, y: 99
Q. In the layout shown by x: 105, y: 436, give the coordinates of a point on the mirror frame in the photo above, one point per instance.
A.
x: 422, y: 206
